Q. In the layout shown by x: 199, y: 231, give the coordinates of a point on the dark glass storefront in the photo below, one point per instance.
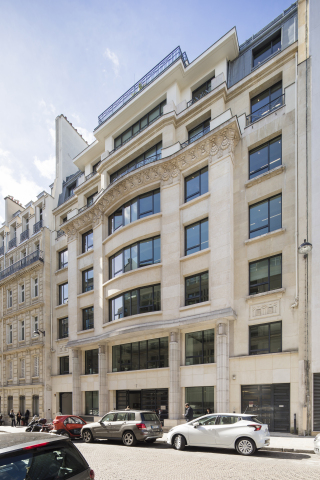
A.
x: 155, y: 400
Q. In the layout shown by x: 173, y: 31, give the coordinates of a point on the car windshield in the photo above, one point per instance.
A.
x: 149, y: 417
x: 51, y: 462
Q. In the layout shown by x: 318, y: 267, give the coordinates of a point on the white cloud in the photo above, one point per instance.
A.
x: 52, y: 135
x: 114, y: 59
x: 20, y: 187
x: 88, y: 136
x: 47, y: 168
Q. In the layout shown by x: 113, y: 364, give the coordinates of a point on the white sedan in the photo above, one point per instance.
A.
x: 243, y: 432
x: 317, y: 444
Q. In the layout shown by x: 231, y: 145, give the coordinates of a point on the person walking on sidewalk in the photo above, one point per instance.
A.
x: 189, y: 413
x: 26, y: 417
x: 18, y: 418
x: 13, y: 420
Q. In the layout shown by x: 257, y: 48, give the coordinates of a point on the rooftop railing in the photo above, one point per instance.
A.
x: 195, y: 137
x: 265, y: 110
x: 24, y: 262
x: 169, y: 60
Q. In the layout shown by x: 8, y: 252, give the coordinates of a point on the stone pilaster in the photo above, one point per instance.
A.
x: 103, y: 386
x: 222, y: 358
x: 76, y: 392
x: 174, y: 388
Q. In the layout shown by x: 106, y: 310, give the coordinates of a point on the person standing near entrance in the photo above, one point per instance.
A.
x: 18, y: 418
x: 13, y: 420
x: 26, y: 417
x: 189, y: 413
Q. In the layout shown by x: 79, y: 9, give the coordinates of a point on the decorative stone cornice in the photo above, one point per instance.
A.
x: 214, y: 145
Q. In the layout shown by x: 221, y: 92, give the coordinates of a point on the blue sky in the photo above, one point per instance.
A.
x: 77, y: 57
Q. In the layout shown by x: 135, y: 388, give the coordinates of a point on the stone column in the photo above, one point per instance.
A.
x: 222, y: 368
x: 174, y: 388
x: 76, y: 389
x: 98, y: 263
x: 103, y: 386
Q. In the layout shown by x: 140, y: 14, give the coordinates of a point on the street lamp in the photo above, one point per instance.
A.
x: 305, y: 248
x: 37, y: 332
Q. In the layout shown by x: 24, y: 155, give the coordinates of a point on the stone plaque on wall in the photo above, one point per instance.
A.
x: 265, y: 309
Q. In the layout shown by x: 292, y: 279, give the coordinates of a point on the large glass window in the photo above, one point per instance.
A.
x: 87, y: 318
x: 199, y: 131
x: 64, y: 365
x: 63, y: 293
x: 201, y: 91
x: 151, y: 155
x: 265, y: 158
x: 140, y: 254
x: 197, y: 288
x: 63, y: 258
x: 265, y: 216
x: 90, y: 199
x: 92, y: 403
x: 200, y: 347
x: 140, y: 355
x: 196, y: 184
x: 139, y: 125
x: 87, y: 241
x: 265, y: 275
x: 87, y: 280
x: 266, y: 338
x: 265, y: 102
x: 196, y: 237
x: 63, y: 327
x: 200, y: 398
x: 139, y: 207
x: 262, y: 53
x: 140, y: 300
x: 91, y: 362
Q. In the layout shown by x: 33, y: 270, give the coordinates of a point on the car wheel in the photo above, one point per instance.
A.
x: 129, y: 439
x: 179, y: 442
x: 28, y: 429
x: 87, y: 436
x: 245, y: 446
x: 151, y: 440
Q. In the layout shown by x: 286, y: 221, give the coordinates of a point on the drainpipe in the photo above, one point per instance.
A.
x: 296, y: 298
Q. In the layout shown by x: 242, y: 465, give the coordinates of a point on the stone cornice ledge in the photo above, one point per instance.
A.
x: 265, y: 176
x: 276, y: 293
x: 214, y: 145
x: 225, y: 313
x: 275, y: 233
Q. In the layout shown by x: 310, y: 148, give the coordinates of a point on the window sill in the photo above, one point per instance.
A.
x: 35, y: 378
x: 131, y: 272
x: 21, y: 304
x: 61, y: 270
x: 62, y: 305
x: 199, y: 364
x: 136, y: 222
x: 84, y: 294
x: 81, y: 332
x: 196, y: 305
x: 22, y: 341
x: 61, y: 339
x: 265, y: 116
x: 87, y: 374
x: 194, y: 201
x: 275, y: 233
x: 36, y: 297
x: 22, y: 378
x: 147, y: 314
x: 84, y: 254
x: 265, y: 176
x: 279, y: 292
x: 135, y: 371
x: 195, y: 254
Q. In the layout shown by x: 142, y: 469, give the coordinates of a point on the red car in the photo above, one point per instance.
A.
x: 68, y: 425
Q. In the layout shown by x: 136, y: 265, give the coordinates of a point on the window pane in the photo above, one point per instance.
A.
x: 275, y: 92
x: 275, y: 272
x: 194, y: 348
x: 116, y: 358
x: 143, y: 355
x: 126, y: 211
x: 135, y: 356
x: 192, y: 186
x: 156, y: 201
x: 157, y: 298
x: 156, y: 250
x: 127, y: 304
x: 275, y: 337
x: 204, y: 234
x: 275, y: 153
x: 134, y: 302
x: 259, y: 275
x: 204, y: 180
x: 259, y: 339
x: 144, y: 121
x: 164, y: 352
x: 125, y: 355
x: 204, y: 287
x: 262, y: 54
x: 208, y: 346
x: 146, y: 254
x: 260, y: 101
x: 193, y: 290
x: 145, y: 205
x: 127, y: 259
x: 276, y: 44
x: 134, y: 210
x: 258, y: 161
x: 150, y: 153
x: 126, y: 135
x: 146, y: 303
x: 193, y: 239
x: 117, y: 265
x: 153, y: 353
x: 194, y: 134
x: 117, y: 142
x: 259, y: 219
x: 134, y: 257
x: 275, y: 213
x: 117, y: 308
x: 117, y: 220
x: 135, y: 128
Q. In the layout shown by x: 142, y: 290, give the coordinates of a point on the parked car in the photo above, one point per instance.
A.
x: 317, y: 444
x: 129, y: 426
x: 245, y: 433
x: 68, y: 425
x: 41, y: 456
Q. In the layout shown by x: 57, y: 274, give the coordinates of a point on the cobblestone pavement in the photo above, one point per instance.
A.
x: 112, y: 460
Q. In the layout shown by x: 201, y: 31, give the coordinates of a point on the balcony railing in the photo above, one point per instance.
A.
x: 24, y: 262
x: 90, y: 175
x: 13, y: 243
x: 60, y: 233
x: 2, y: 250
x: 146, y: 161
x: 193, y: 139
x: 265, y: 110
x: 37, y: 226
x: 198, y: 97
x: 24, y: 235
x: 169, y: 60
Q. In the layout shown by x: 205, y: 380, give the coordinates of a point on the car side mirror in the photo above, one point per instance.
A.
x: 196, y: 424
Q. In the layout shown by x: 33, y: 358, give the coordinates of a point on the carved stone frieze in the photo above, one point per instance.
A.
x: 266, y: 309
x: 167, y: 170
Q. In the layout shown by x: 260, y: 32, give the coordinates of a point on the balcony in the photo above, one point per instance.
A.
x: 265, y: 110
x: 129, y: 168
x: 198, y: 97
x: 2, y: 250
x: 37, y: 226
x: 24, y: 235
x: 24, y: 262
x: 196, y: 137
x: 12, y: 243
x: 60, y: 233
x: 158, y: 70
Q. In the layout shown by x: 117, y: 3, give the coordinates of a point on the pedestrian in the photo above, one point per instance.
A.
x: 189, y: 413
x: 13, y: 420
x: 208, y: 410
x: 18, y: 418
x: 1, y: 419
x: 26, y: 417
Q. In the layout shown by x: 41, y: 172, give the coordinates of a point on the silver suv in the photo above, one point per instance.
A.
x: 129, y: 426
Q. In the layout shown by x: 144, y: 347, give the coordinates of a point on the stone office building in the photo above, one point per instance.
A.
x: 178, y: 277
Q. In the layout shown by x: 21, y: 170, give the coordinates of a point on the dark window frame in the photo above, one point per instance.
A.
x: 61, y: 290
x: 130, y: 203
x: 87, y: 322
x: 268, y: 225
x: 61, y: 255
x: 256, y: 352
x: 265, y: 283
x: 270, y: 42
x: 90, y: 199
x: 152, y: 309
x: 266, y: 144
x: 205, y: 88
x: 205, y: 129
x: 91, y: 411
x: 200, y: 411
x: 202, y: 355
x: 85, y: 238
x: 119, y: 272
x: 91, y: 353
x: 185, y: 288
x: 196, y: 195
x: 254, y: 116
x: 128, y: 367
x: 63, y: 329
x: 85, y: 282
x: 70, y: 189
x: 198, y: 245
x: 63, y: 370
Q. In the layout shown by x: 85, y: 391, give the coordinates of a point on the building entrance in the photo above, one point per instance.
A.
x: 66, y: 403
x: 270, y: 403
x: 144, y: 400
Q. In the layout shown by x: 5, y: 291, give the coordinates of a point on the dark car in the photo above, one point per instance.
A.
x: 68, y: 425
x: 41, y: 456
